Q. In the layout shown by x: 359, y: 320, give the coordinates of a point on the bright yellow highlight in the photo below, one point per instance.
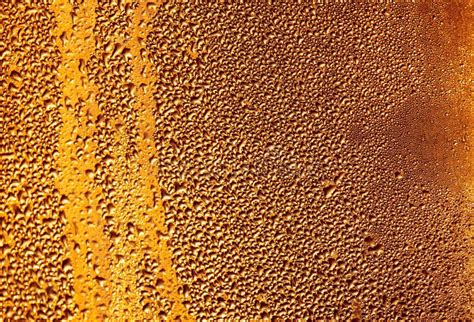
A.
x: 105, y: 266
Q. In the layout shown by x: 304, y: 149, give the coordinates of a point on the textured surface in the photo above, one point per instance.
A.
x: 290, y: 161
x: 185, y: 161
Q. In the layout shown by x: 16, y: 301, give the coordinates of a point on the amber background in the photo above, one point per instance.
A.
x: 257, y: 160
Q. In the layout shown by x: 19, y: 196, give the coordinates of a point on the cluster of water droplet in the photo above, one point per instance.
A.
x: 297, y: 164
x: 283, y: 185
x: 35, y: 274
